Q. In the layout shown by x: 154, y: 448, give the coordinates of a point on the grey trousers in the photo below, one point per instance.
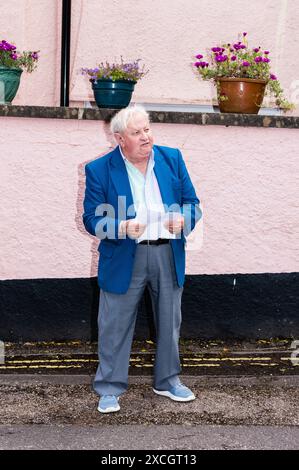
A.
x: 153, y: 267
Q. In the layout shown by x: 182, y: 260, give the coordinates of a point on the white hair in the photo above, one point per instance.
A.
x: 120, y: 121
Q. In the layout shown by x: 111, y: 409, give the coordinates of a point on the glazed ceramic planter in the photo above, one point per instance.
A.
x: 242, y: 95
x: 113, y: 94
x: 9, y: 83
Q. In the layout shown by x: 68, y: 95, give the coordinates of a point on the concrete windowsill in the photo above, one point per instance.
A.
x: 161, y: 116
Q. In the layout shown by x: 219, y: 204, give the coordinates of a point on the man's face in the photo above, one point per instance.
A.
x: 137, y: 140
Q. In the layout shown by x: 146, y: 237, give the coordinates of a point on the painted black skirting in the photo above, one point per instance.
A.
x: 214, y: 307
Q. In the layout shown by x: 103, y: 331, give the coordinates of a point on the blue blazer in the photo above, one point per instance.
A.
x: 106, y: 180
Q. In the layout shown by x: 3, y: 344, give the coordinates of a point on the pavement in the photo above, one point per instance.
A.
x: 157, y: 437
x: 244, y: 403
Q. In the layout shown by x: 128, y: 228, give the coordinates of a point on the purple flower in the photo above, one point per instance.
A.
x: 273, y: 77
x: 256, y: 49
x: 246, y: 63
x: 130, y: 71
x: 34, y: 55
x: 199, y: 56
x: 221, y: 58
x: 233, y: 58
x: 266, y: 52
x: 201, y: 64
x: 216, y: 49
x: 239, y: 46
x: 13, y: 56
x: 244, y: 34
x: 266, y: 60
x: 258, y: 59
x: 5, y: 46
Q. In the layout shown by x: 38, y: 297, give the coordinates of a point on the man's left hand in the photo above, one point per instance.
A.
x: 175, y: 224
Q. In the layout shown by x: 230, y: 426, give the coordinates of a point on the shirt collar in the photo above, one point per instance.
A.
x: 151, y: 159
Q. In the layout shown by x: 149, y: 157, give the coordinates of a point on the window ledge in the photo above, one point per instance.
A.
x: 157, y: 116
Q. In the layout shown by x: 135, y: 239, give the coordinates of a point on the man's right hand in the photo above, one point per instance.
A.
x: 134, y: 229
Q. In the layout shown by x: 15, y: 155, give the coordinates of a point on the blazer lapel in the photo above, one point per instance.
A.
x: 120, y: 178
x: 163, y: 176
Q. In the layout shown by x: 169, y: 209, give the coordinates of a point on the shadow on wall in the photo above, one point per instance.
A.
x: 80, y: 197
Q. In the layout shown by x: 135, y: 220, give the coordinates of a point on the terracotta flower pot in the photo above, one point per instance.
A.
x: 243, y: 95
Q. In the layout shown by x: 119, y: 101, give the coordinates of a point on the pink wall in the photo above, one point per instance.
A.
x: 164, y: 33
x: 247, y: 179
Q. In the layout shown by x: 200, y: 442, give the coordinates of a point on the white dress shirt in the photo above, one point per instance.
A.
x: 147, y: 200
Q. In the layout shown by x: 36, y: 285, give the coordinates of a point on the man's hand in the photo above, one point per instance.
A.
x: 175, y: 223
x: 134, y: 229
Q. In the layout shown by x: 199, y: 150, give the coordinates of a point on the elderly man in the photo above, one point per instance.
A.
x: 140, y: 202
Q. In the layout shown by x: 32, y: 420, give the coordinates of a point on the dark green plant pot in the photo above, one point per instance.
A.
x: 110, y: 94
x: 9, y: 83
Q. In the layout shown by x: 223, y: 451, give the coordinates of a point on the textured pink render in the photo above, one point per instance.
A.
x: 165, y: 34
x: 246, y: 178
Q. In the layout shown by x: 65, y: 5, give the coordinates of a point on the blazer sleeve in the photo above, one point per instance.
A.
x: 98, y: 217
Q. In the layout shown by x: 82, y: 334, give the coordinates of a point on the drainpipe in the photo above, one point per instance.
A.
x: 65, y: 52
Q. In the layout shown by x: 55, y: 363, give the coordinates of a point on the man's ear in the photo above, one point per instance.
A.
x: 118, y: 137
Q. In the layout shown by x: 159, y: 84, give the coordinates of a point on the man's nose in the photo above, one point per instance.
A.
x: 144, y: 135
